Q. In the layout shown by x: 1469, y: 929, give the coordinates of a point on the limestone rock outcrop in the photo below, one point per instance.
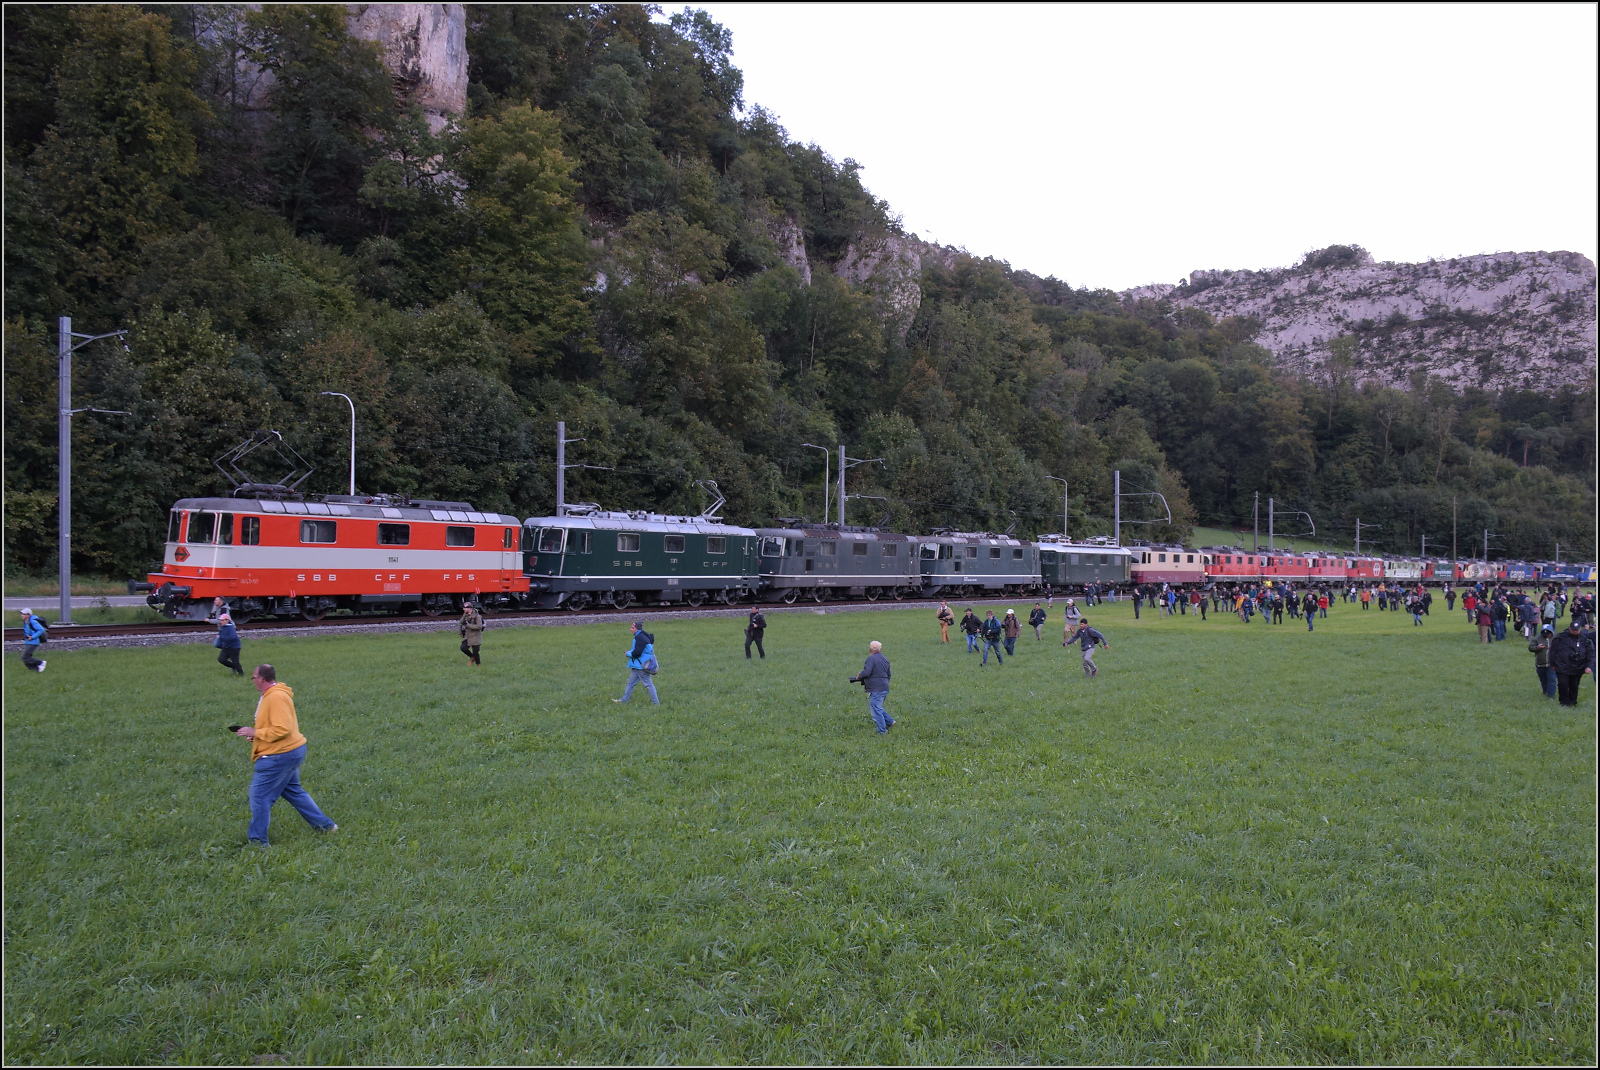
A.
x: 1496, y: 321
x: 890, y: 266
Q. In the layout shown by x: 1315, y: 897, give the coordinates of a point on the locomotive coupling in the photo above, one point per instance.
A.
x: 140, y: 587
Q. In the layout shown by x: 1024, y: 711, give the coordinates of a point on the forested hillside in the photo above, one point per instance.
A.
x: 607, y: 236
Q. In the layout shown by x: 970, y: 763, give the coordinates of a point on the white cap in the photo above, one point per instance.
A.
x: 26, y: 612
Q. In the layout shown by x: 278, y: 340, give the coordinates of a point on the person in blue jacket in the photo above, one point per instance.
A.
x: 874, y: 676
x: 228, y: 644
x: 641, y: 659
x: 33, y: 633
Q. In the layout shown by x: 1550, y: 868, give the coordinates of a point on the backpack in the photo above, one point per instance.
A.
x: 651, y: 665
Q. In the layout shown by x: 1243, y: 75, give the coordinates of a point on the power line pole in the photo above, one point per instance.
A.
x: 1066, y: 506
x: 1255, y: 517
x: 1358, y: 536
x: 64, y: 351
x: 1116, y: 508
x: 1269, y: 524
x: 1452, y: 531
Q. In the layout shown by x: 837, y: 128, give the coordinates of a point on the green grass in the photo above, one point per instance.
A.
x: 28, y: 586
x: 50, y: 612
x: 1239, y: 844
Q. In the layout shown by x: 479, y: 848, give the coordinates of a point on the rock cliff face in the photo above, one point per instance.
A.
x: 1497, y: 321
x: 890, y: 266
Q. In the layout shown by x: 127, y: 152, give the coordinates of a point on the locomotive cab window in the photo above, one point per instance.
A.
x: 319, y: 531
x: 510, y: 540
x: 627, y: 543
x: 174, y: 525
x: 250, y: 531
x: 460, y: 536
x: 202, y: 527
x: 394, y: 534
x: 579, y: 541
x: 224, y: 529
x: 947, y: 551
x: 552, y: 540
x: 858, y: 549
x: 716, y: 544
x: 797, y: 547
x: 771, y: 546
x: 1047, y: 556
x: 672, y: 544
x: 930, y: 551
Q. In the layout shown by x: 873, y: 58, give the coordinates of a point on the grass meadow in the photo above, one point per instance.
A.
x: 1375, y: 843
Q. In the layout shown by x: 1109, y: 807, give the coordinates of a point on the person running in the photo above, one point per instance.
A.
x: 471, y: 631
x: 1069, y: 616
x: 1086, y: 638
x: 228, y: 644
x: 970, y: 627
x: 1011, y: 628
x: 754, y: 631
x: 945, y: 619
x: 33, y: 633
x: 1037, y: 619
x: 874, y: 676
x: 992, y: 634
x: 1277, y: 608
x: 641, y: 664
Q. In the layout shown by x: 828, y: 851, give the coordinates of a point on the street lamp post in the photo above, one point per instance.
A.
x: 1066, y: 506
x: 827, y: 463
x: 335, y: 394
x: 64, y: 350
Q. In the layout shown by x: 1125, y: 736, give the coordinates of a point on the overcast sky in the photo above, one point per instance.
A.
x: 1119, y: 145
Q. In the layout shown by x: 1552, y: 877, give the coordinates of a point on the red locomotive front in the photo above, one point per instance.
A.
x: 283, y: 557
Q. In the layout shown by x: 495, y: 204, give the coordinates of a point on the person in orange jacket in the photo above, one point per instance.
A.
x: 277, y: 749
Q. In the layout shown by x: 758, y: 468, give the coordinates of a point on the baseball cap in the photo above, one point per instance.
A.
x: 26, y: 612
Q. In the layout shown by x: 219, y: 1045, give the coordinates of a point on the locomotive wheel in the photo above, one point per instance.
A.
x: 873, y: 593
x: 695, y: 598
x: 314, y: 615
x: 899, y: 594
x: 622, y: 599
x: 432, y: 609
x: 577, y: 603
x: 819, y: 594
x: 791, y: 596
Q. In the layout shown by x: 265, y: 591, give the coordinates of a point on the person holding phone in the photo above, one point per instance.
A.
x: 277, y: 750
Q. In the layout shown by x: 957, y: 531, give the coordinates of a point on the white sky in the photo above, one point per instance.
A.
x: 1119, y: 145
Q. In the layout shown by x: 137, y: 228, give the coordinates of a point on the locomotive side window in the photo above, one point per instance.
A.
x: 319, y: 531
x: 1163, y: 557
x: 771, y: 546
x: 509, y: 542
x: 672, y: 544
x: 460, y: 536
x: 1189, y: 559
x: 828, y: 548
x: 994, y: 553
x: 858, y: 549
x: 946, y: 551
x: 930, y: 551
x: 552, y: 540
x: 202, y: 527
x: 225, y: 529
x: 891, y: 549
x: 579, y: 543
x: 1075, y: 559
x: 394, y: 534
x: 174, y: 525
x: 1047, y: 556
x: 797, y: 548
x: 716, y: 544
x: 971, y: 551
x: 1016, y: 555
x: 1105, y: 559
x: 627, y: 543
x: 250, y: 531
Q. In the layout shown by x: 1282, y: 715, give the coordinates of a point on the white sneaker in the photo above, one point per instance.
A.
x: 42, y: 664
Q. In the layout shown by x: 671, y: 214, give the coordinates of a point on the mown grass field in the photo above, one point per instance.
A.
x: 1375, y: 843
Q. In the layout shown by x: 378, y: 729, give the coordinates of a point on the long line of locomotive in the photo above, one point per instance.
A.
x: 277, y: 556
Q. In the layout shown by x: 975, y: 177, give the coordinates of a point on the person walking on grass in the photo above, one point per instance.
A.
x: 1539, y: 647
x: 970, y: 627
x: 1572, y: 657
x: 945, y: 618
x: 277, y: 750
x: 228, y: 644
x: 1011, y: 628
x: 755, y: 630
x: 1366, y: 598
x: 992, y: 634
x: 1485, y: 624
x: 1037, y: 619
x: 1070, y: 616
x: 33, y: 633
x: 874, y: 676
x: 642, y: 665
x: 1308, y: 606
x: 1086, y: 638
x: 471, y: 630
x: 1416, y: 611
x: 1138, y: 600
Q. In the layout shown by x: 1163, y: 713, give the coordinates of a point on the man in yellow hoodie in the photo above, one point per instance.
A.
x: 277, y: 748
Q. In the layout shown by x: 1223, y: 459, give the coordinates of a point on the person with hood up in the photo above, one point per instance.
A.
x: 641, y: 664
x: 277, y: 750
x: 1011, y: 628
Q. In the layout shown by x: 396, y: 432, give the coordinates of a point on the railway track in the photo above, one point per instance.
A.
x: 197, y: 630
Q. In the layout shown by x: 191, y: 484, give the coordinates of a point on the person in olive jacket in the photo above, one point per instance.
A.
x: 471, y: 631
x: 1539, y: 647
x: 1572, y: 657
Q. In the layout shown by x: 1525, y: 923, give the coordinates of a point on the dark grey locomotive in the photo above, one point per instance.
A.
x: 821, y: 561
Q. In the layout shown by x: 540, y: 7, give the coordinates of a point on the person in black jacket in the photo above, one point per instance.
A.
x: 1037, y: 619
x: 754, y: 631
x: 1571, y: 655
x: 874, y: 676
x: 971, y: 626
x: 992, y: 634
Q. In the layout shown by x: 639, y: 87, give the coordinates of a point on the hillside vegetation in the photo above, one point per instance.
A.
x: 609, y: 236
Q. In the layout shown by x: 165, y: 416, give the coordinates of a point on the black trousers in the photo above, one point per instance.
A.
x: 753, y: 637
x: 1567, y: 687
x: 471, y: 652
x: 230, y: 658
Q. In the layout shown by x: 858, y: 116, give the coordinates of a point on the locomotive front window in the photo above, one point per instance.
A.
x: 716, y: 544
x: 460, y: 536
x: 930, y: 551
x: 319, y: 531
x: 174, y: 525
x: 672, y: 544
x: 627, y: 544
x: 250, y: 531
x: 552, y: 540
x: 225, y: 529
x: 202, y: 527
x: 858, y: 549
x: 771, y: 546
x: 395, y: 535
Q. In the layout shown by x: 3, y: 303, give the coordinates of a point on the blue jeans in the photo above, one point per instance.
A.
x: 275, y: 775
x: 972, y: 643
x: 1011, y: 645
x: 637, y: 677
x: 994, y: 645
x: 1547, y: 680
x: 1311, y: 621
x: 880, y: 716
